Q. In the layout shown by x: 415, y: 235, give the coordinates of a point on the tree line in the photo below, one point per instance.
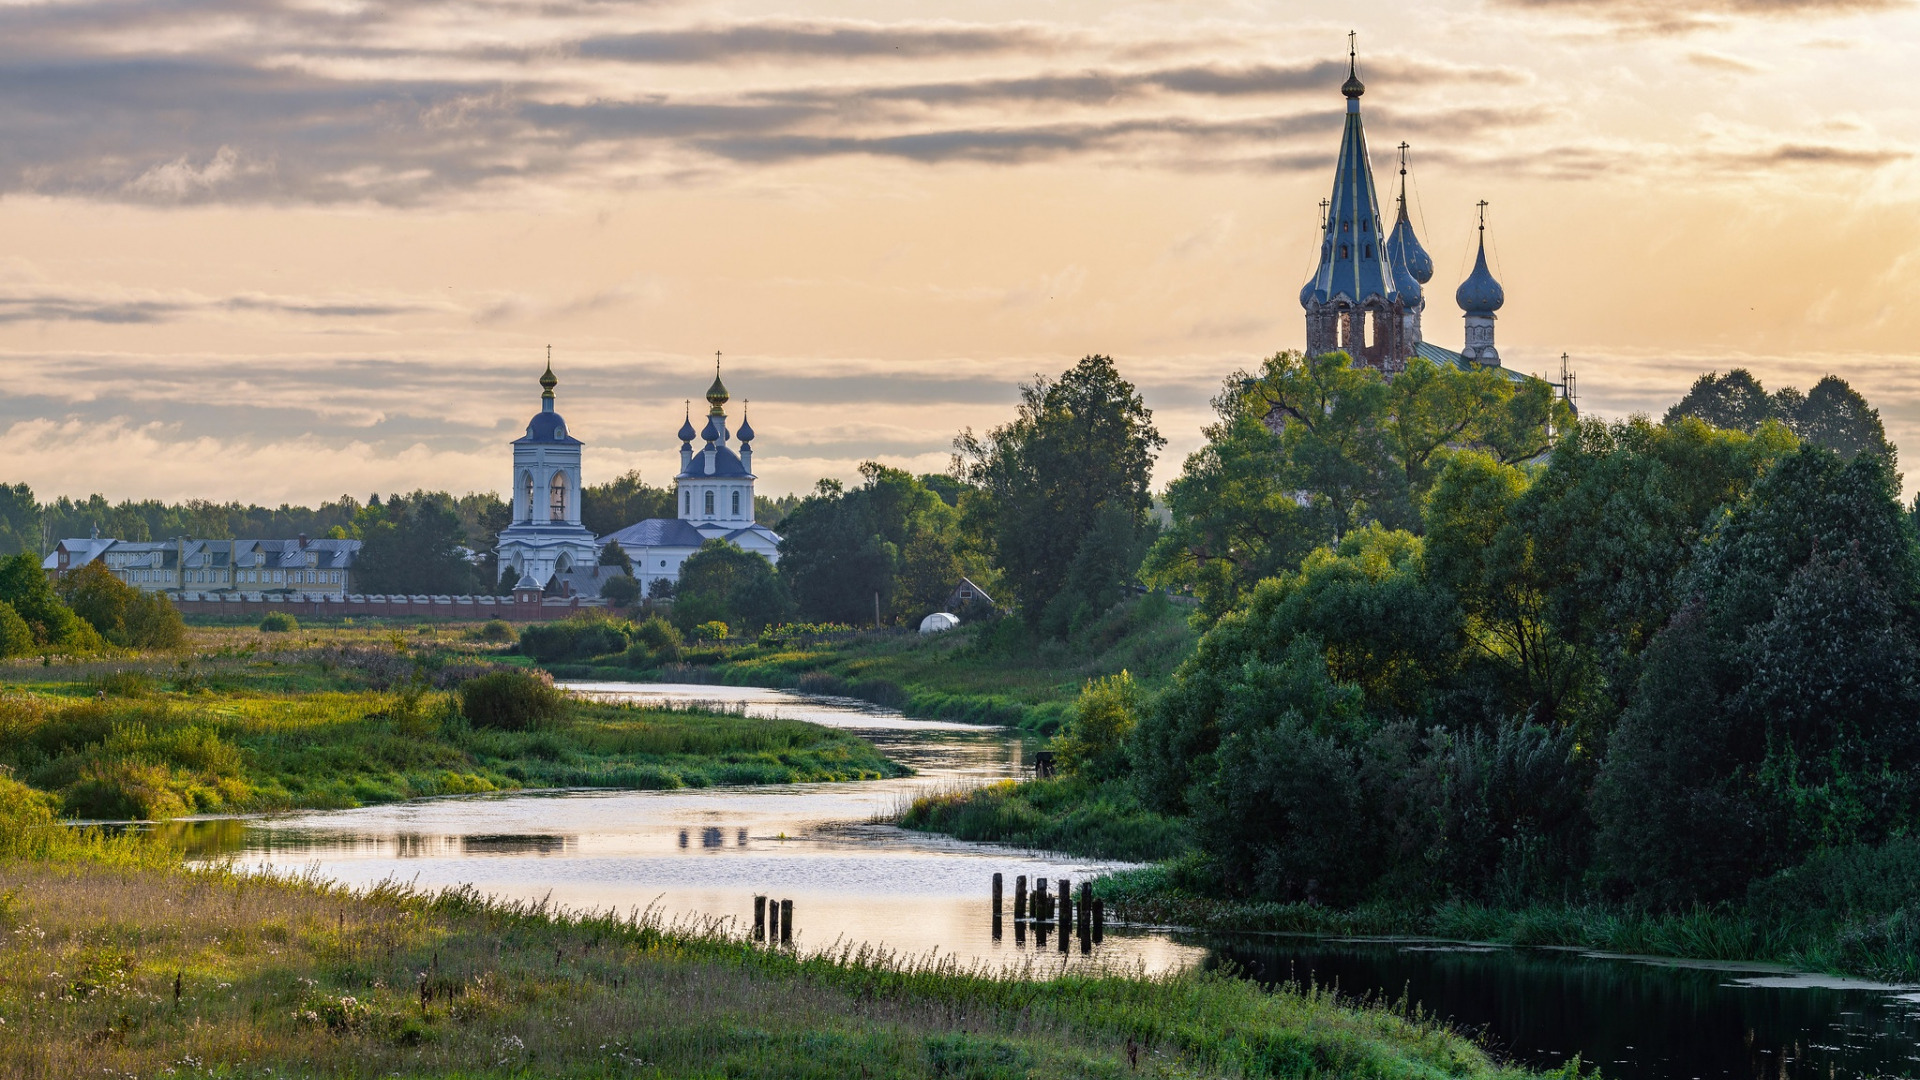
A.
x: 1656, y: 664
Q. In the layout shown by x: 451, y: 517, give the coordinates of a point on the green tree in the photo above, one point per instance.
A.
x: 1066, y: 491
x: 722, y: 582
x: 19, y: 520
x: 122, y: 614
x: 1832, y: 414
x: 891, y: 536
x: 25, y: 589
x: 618, y: 503
x: 414, y: 545
x: 1093, y: 743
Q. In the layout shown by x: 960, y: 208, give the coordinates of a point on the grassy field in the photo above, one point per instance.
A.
x: 117, y: 965
x: 348, y: 717
x: 989, y: 673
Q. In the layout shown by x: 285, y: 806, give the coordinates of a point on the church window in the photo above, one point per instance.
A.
x: 1369, y: 251
x: 709, y: 502
x: 736, y: 504
x: 529, y: 487
x: 1345, y: 225
x: 558, y: 498
x: 689, y: 508
x: 1343, y: 251
x: 1364, y: 221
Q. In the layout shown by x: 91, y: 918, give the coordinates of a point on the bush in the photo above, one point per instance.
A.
x: 621, y: 590
x: 512, y: 701
x: 655, y: 642
x: 710, y: 631
x: 497, y: 630
x: 578, y: 638
x: 1094, y: 742
x: 121, y: 613
x: 279, y: 622
x: 16, y: 637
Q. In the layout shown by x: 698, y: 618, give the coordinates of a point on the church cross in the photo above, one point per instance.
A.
x: 1483, y: 215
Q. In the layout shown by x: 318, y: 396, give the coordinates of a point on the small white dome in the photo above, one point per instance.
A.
x: 938, y: 621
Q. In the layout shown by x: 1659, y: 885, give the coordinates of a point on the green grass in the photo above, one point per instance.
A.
x: 253, y: 731
x: 985, y: 673
x: 117, y: 970
x: 1101, y: 821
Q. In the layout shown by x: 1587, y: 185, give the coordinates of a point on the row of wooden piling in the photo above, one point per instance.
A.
x: 1043, y: 911
x: 772, y: 920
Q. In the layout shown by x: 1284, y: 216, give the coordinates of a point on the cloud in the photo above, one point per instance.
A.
x: 817, y: 41
x: 1714, y: 61
x: 105, y: 307
x: 1662, y: 17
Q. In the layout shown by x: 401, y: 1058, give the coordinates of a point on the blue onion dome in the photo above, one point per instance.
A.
x: 1405, y: 284
x: 1307, y: 292
x: 1405, y: 248
x: 686, y: 432
x: 711, y: 432
x: 1480, y: 294
x: 746, y: 429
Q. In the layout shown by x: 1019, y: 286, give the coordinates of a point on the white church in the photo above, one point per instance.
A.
x: 549, y: 548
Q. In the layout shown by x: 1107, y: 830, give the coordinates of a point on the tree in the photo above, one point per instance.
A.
x: 615, y: 555
x: 19, y: 520
x: 618, y: 503
x: 1779, y: 713
x: 122, y: 614
x: 1062, y: 481
x: 722, y: 582
x: 413, y: 545
x: 891, y: 536
x: 1832, y: 414
x: 24, y: 588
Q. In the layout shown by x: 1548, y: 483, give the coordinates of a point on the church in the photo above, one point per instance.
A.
x: 715, y: 490
x: 1367, y: 294
x: 546, y: 546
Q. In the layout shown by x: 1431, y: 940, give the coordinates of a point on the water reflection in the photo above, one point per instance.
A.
x: 851, y: 880
x: 1632, y: 1017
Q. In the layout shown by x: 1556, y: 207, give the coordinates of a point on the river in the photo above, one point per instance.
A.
x: 854, y: 879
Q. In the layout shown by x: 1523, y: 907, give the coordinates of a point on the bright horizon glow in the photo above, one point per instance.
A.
x: 280, y: 251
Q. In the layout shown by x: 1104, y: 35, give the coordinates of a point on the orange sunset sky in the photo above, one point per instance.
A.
x: 283, y: 250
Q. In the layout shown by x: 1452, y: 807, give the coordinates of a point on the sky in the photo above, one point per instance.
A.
x: 284, y: 250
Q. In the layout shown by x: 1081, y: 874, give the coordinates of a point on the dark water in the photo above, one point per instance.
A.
x: 1632, y: 1017
x: 856, y: 879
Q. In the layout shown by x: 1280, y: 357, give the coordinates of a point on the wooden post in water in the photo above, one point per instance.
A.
x: 996, y: 906
x: 1066, y: 909
x: 1040, y: 899
x: 1086, y: 908
x: 759, y: 918
x: 773, y: 920
x: 1019, y: 898
x: 786, y: 921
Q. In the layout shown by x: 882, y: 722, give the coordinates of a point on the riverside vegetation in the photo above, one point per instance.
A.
x: 118, y: 961
x: 352, y: 718
x: 1654, y: 691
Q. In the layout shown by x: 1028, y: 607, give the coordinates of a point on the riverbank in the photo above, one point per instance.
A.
x: 119, y: 966
x: 1848, y: 912
x: 328, y: 726
x: 994, y: 672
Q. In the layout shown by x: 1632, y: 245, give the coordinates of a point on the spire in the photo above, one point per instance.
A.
x: 717, y: 393
x: 1354, y: 262
x: 1353, y: 87
x: 547, y: 383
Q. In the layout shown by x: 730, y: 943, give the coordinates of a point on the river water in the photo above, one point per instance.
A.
x: 854, y: 879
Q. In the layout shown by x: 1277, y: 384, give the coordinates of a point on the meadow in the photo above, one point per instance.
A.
x: 347, y: 717
x: 119, y: 962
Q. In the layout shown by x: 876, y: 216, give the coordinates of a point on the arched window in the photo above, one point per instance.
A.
x: 689, y: 510
x: 529, y: 491
x: 557, y: 498
x: 709, y: 504
x: 1369, y: 251
x: 736, y: 504
x: 1343, y: 251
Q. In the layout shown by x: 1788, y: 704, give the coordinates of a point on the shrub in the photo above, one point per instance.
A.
x: 1094, y: 741
x: 279, y: 622
x: 655, y: 642
x: 714, y: 630
x: 512, y: 701
x: 121, y: 613
x: 497, y: 630
x: 621, y: 590
x: 16, y: 637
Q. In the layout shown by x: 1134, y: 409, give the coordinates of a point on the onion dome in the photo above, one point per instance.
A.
x: 711, y: 432
x: 547, y: 381
x: 1480, y: 294
x: 717, y: 393
x: 1353, y: 87
x: 1307, y: 293
x: 1406, y: 284
x: 746, y: 429
x: 686, y: 432
x: 1405, y: 248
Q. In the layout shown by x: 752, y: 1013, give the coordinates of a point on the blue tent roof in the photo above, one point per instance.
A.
x: 1355, y: 263
x: 548, y: 427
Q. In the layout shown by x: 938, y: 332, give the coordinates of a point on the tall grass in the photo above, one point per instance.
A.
x: 1079, y: 817
x: 111, y: 970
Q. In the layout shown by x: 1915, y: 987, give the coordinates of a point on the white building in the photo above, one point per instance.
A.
x: 546, y: 538
x: 715, y: 489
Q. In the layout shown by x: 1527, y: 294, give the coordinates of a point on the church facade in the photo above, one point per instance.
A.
x: 546, y: 546
x: 1367, y: 295
x: 714, y: 489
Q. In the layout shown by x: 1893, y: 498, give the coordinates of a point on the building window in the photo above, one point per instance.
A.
x: 1343, y: 251
x: 557, y: 498
x: 1369, y: 251
x: 689, y: 509
x: 709, y: 503
x: 736, y: 504
x: 529, y: 487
